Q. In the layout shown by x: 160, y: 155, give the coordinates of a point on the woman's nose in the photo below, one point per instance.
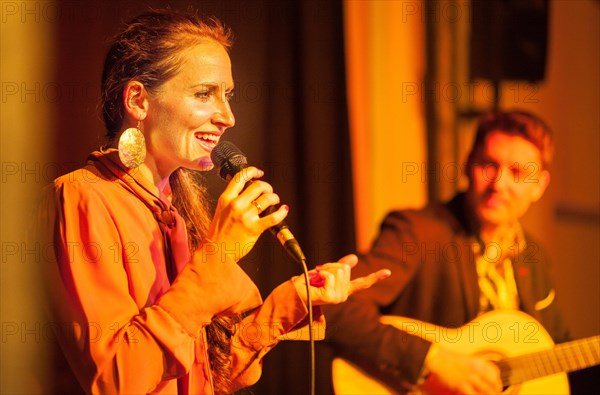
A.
x: 224, y: 116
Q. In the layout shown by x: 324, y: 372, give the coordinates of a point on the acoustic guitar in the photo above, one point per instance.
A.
x: 529, y: 361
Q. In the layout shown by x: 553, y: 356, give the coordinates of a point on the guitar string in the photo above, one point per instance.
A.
x: 561, y: 359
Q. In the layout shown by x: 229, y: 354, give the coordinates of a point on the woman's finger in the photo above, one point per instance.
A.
x: 238, y: 182
x: 264, y: 201
x: 350, y: 259
x: 365, y: 282
x: 274, y: 218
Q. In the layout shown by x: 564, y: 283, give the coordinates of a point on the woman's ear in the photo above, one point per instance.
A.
x: 135, y: 100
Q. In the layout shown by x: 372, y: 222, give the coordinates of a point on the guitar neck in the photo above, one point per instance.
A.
x: 564, y: 357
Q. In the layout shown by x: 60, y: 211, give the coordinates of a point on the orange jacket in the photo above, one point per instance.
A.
x: 121, y: 325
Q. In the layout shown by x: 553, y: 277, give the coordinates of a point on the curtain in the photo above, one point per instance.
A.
x: 27, y: 117
x: 299, y: 134
x: 386, y: 66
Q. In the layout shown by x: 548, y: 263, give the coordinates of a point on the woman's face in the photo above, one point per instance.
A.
x: 190, y: 112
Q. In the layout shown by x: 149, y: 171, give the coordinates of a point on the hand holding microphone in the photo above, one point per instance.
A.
x: 230, y: 161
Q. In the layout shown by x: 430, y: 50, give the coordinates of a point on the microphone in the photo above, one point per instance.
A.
x: 229, y: 161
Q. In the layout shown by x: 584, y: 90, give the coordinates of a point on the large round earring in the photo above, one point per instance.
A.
x: 132, y: 147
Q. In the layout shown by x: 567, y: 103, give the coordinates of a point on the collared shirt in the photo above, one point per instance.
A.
x: 494, y: 263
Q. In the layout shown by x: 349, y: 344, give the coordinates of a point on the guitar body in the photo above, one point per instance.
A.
x: 495, y: 335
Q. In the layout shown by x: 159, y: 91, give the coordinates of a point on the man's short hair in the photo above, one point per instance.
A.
x: 518, y: 123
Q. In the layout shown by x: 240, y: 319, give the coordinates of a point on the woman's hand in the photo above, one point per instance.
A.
x: 237, y: 223
x: 330, y: 283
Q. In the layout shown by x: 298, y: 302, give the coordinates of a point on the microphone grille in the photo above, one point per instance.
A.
x: 228, y: 158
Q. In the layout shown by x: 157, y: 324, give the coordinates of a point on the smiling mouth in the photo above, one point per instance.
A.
x: 210, y: 140
x: 493, y: 200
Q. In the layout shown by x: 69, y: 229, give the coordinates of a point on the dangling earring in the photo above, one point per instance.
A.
x: 132, y: 147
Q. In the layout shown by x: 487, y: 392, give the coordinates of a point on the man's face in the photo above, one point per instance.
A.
x: 505, y: 178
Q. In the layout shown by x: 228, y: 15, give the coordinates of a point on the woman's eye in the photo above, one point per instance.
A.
x: 203, y: 94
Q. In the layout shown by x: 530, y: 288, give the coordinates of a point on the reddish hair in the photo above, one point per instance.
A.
x: 518, y: 123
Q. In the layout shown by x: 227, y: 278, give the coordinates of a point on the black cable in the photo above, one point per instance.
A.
x: 310, y: 329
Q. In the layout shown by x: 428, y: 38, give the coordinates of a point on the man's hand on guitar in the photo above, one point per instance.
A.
x: 455, y: 373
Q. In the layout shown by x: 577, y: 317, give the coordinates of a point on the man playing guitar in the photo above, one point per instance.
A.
x: 452, y: 262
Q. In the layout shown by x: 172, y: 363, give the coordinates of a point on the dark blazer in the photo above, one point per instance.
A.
x: 433, y: 279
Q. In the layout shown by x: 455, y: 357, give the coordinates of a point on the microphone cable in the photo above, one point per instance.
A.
x: 311, y: 339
